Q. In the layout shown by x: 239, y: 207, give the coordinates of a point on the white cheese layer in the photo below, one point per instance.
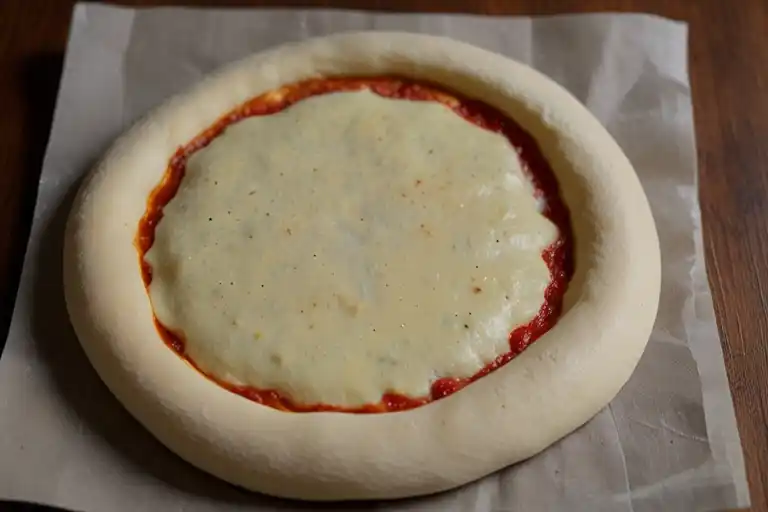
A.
x: 349, y: 246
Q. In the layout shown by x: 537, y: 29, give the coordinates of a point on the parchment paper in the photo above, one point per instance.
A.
x: 667, y: 442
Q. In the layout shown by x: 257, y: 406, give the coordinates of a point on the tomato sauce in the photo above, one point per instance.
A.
x: 558, y: 256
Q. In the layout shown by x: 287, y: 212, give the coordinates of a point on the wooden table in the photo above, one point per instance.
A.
x: 729, y: 75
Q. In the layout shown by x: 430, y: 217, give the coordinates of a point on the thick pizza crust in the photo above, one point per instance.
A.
x: 553, y: 387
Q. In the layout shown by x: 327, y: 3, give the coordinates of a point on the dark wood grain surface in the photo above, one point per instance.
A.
x: 729, y: 75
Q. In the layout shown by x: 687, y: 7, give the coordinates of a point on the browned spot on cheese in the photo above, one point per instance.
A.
x: 349, y: 307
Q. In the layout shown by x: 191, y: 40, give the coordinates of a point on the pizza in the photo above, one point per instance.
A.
x: 371, y: 265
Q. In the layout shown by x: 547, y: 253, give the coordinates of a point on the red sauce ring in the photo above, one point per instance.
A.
x: 558, y: 256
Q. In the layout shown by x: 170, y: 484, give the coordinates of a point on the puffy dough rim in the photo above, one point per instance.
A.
x: 552, y: 388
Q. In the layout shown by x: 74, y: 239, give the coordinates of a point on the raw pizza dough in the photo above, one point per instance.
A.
x: 553, y: 387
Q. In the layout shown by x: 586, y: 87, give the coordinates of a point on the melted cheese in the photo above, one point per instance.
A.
x: 348, y: 246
